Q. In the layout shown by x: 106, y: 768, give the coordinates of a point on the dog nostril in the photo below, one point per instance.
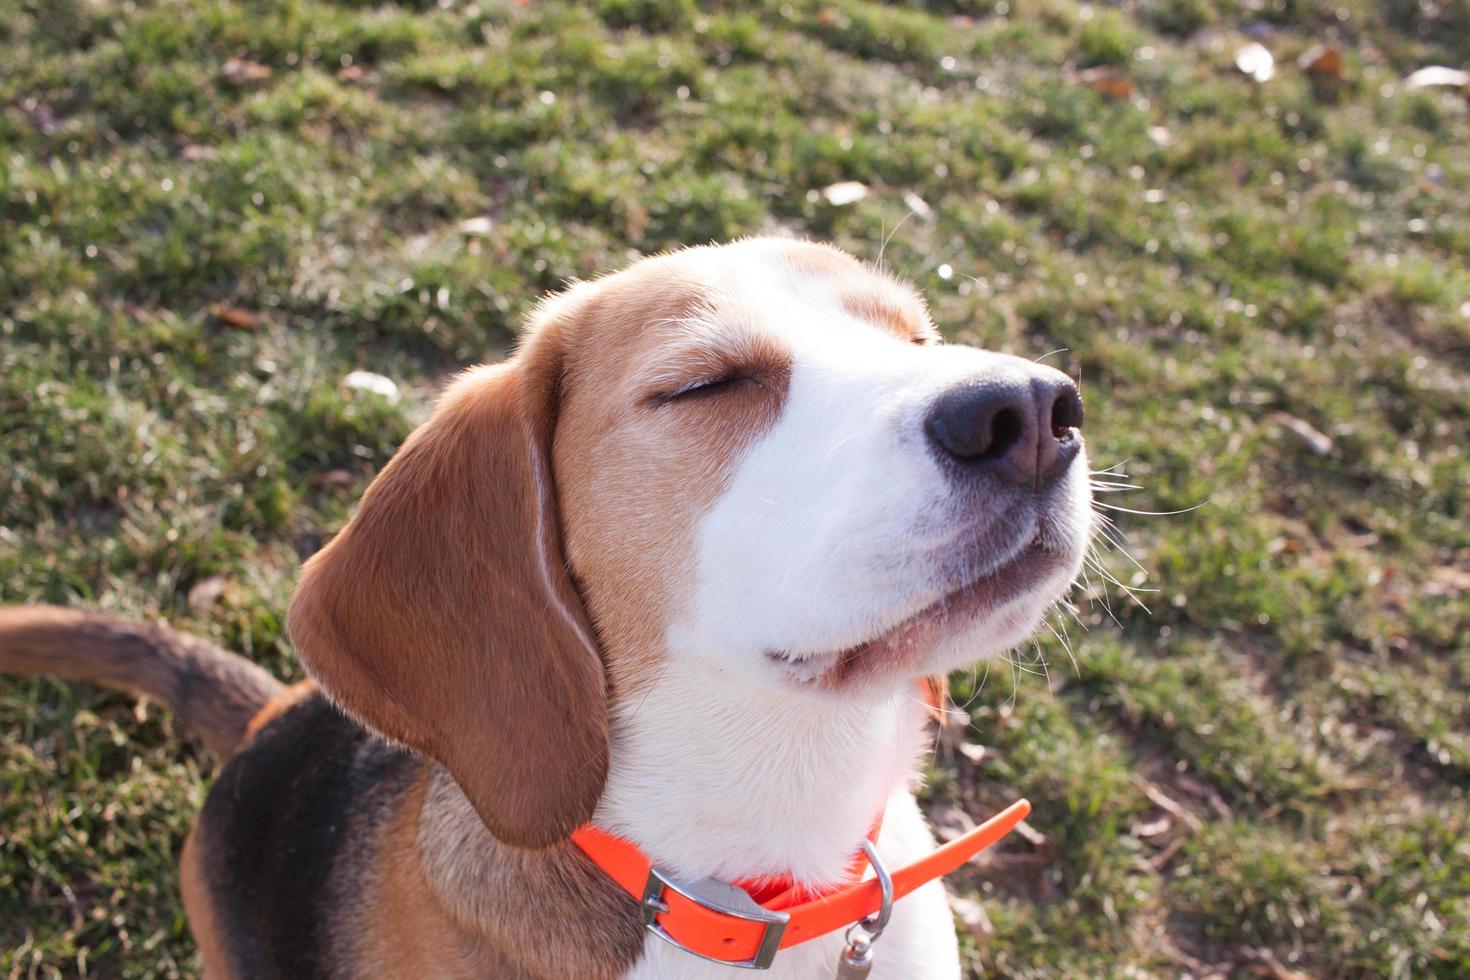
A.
x: 1006, y: 429
x: 1066, y: 413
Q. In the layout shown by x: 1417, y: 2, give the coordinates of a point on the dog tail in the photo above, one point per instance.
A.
x: 216, y: 693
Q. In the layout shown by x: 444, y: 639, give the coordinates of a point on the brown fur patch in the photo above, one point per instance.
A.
x: 442, y: 616
x: 402, y: 929
x: 282, y: 702
x: 213, y: 691
x: 544, y: 913
x: 200, y: 910
x: 906, y: 320
x: 864, y: 292
x: 635, y: 474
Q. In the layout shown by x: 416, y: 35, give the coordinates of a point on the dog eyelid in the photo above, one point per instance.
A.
x: 704, y: 386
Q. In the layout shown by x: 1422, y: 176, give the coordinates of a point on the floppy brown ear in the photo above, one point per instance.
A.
x: 442, y: 615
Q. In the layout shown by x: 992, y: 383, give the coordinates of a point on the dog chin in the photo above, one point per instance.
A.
x: 987, y: 616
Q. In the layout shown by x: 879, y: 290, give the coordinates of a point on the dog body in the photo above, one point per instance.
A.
x: 677, y: 569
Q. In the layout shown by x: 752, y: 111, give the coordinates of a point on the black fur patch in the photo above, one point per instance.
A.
x: 280, y: 827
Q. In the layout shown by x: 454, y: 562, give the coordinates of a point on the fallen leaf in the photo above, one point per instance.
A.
x: 1438, y: 76
x: 234, y: 316
x: 1153, y: 828
x: 242, y: 71
x: 1315, y: 440
x: 1255, y: 61
x: 332, y: 478
x: 1322, y: 60
x: 1036, y: 839
x: 206, y: 592
x: 845, y: 192
x: 477, y: 227
x: 356, y: 75
x: 1448, y: 580
x: 972, y: 914
x: 375, y: 383
x: 1171, y: 806
x: 1107, y: 81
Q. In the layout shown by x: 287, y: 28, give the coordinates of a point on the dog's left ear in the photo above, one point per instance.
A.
x: 443, y: 616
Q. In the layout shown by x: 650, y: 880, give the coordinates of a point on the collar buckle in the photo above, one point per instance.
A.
x: 719, y: 897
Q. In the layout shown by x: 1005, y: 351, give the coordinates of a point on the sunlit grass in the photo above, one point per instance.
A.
x: 211, y: 213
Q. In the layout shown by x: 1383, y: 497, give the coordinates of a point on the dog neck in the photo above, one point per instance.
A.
x: 709, y: 779
x: 714, y: 778
x: 722, y: 780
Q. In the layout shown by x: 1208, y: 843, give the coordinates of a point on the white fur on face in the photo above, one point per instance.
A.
x: 840, y: 523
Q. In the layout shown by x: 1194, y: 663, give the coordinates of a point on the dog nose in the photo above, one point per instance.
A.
x: 1022, y: 428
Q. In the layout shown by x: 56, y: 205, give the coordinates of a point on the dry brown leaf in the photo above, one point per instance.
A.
x: 1314, y: 439
x: 1046, y: 850
x: 1323, y: 60
x: 1448, y: 580
x: 1109, y: 82
x: 356, y: 75
x: 237, y: 317
x: 1171, y: 806
x: 242, y: 71
x: 332, y: 478
x: 206, y: 592
x: 1153, y: 828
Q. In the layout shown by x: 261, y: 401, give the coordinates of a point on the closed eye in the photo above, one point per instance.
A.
x: 708, y: 388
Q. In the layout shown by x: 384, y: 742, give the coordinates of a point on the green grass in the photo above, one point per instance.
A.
x: 1269, y: 767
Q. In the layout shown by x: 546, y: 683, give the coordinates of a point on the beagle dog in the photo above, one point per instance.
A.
x: 674, y: 571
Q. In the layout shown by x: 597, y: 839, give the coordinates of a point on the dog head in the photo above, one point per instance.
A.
x: 757, y: 457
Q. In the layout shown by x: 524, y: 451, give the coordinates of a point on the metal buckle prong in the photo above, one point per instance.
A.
x: 717, y: 896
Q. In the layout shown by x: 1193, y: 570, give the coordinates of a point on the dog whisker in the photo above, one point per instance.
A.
x: 1066, y: 645
x: 1111, y: 536
x: 1153, y: 513
x: 1114, y: 470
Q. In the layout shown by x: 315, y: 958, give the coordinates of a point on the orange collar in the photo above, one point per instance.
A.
x: 722, y: 922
